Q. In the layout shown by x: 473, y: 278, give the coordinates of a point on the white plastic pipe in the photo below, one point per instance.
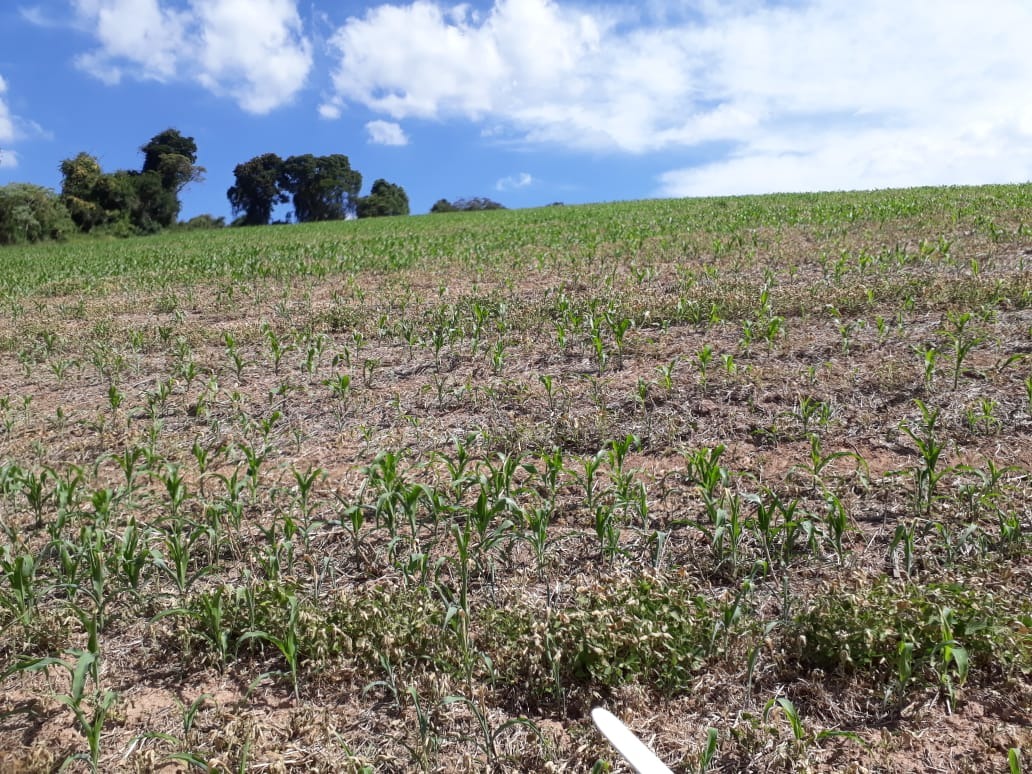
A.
x: 634, y: 751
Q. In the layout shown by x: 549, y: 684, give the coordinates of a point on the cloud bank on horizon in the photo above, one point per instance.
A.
x: 774, y: 96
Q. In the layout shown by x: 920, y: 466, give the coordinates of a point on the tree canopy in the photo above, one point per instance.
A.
x: 126, y: 200
x: 321, y: 187
x: 257, y: 189
x: 31, y: 213
x: 174, y: 158
x: 384, y: 199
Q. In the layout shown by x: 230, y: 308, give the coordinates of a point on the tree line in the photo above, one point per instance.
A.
x: 121, y: 203
x: 145, y: 201
x: 319, y: 187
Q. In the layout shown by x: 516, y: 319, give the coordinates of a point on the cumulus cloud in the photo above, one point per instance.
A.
x: 14, y: 128
x: 512, y: 182
x: 253, y: 51
x: 6, y: 121
x: 820, y: 94
x: 330, y: 110
x: 386, y: 133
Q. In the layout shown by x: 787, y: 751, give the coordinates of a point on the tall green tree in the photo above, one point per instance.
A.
x: 174, y: 158
x: 321, y: 187
x: 384, y: 199
x: 170, y: 158
x: 79, y: 178
x: 257, y: 189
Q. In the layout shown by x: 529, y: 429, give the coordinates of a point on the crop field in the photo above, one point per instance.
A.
x: 417, y: 494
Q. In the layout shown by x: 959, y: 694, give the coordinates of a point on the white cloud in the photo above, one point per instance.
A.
x: 386, y: 133
x: 14, y: 128
x: 138, y: 35
x: 331, y: 110
x: 6, y: 121
x: 253, y: 51
x: 819, y: 94
x: 511, y: 183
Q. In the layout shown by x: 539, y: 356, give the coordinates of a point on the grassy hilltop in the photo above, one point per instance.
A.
x: 416, y: 494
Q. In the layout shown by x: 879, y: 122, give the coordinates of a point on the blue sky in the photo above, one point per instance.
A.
x: 529, y: 101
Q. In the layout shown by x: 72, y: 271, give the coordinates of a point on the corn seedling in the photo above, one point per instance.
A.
x: 788, y: 709
x: 983, y: 418
x: 287, y: 644
x: 488, y: 738
x: 1014, y: 760
x: 498, y: 357
x: 277, y: 346
x: 20, y: 572
x: 836, y: 517
x: 618, y: 326
x: 962, y: 339
x: 929, y: 354
x: 709, y: 752
x: 930, y: 448
x: 90, y: 707
x: 703, y: 359
x: 819, y: 461
x: 812, y: 411
x: 208, y: 610
x: 902, y: 549
x: 949, y: 659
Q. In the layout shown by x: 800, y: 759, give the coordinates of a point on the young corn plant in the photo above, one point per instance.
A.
x: 812, y: 411
x: 705, y: 471
x: 209, y: 612
x: 287, y: 643
x: 962, y: 339
x: 234, y: 355
x: 538, y: 537
x: 930, y: 447
x: 89, y: 705
x: 305, y: 482
x: 726, y: 532
x: 487, y: 739
x: 983, y: 418
x: 618, y: 326
x: 837, y: 521
x: 819, y: 461
x: 132, y: 556
x: 598, y: 344
x: 277, y: 347
x: 949, y: 658
x: 703, y: 359
x: 607, y: 532
x: 19, y: 570
x: 587, y: 480
x: 929, y: 355
x: 34, y: 488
